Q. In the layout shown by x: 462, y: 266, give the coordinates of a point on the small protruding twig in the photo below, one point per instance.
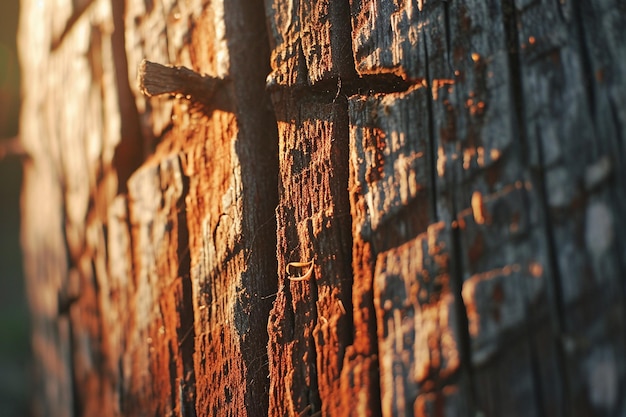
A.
x: 12, y: 147
x: 157, y: 79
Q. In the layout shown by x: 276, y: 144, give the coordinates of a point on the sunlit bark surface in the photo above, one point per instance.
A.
x: 372, y: 208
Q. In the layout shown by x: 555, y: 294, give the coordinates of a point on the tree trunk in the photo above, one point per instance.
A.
x: 416, y: 213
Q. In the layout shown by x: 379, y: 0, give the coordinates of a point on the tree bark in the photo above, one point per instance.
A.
x: 416, y: 213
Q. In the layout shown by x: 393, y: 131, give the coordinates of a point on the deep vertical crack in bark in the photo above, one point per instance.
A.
x: 516, y: 90
x: 525, y: 89
x: 248, y: 44
x: 448, y: 33
x: 186, y: 332
x: 522, y: 136
x: 456, y: 287
x: 585, y: 58
x: 557, y: 307
x: 432, y: 160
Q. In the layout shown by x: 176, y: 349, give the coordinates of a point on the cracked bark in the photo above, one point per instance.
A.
x: 424, y: 220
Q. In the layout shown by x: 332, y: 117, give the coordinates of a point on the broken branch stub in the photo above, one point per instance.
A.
x: 157, y: 79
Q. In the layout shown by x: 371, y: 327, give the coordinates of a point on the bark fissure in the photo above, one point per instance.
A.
x: 451, y: 172
x: 329, y: 89
x: 521, y: 134
x: 432, y: 160
x: 258, y: 173
x: 75, y: 389
x: 536, y: 376
x: 186, y: 332
x: 456, y: 285
x: 557, y: 306
x: 448, y: 33
x: 556, y: 289
x: 510, y: 22
x: 585, y: 57
x: 315, y: 404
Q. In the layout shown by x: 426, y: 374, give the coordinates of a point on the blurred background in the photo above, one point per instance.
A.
x: 14, y: 331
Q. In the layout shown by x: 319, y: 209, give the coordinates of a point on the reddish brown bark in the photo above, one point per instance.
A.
x: 424, y: 220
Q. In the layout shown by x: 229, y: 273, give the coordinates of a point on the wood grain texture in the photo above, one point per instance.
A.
x: 417, y: 342
x: 310, y: 41
x: 160, y: 303
x: 571, y: 128
x: 417, y: 333
x: 493, y: 194
x: 69, y: 104
x: 425, y: 220
x: 227, y: 155
x: 309, y: 319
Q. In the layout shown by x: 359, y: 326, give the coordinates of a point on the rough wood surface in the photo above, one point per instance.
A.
x: 160, y: 293
x: 309, y: 323
x: 425, y: 220
x: 452, y: 147
x: 69, y: 127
